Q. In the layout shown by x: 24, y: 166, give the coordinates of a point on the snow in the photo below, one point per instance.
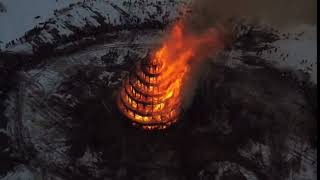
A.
x: 107, y: 11
x: 302, y: 48
x: 17, y: 21
x: 20, y: 16
x: 300, y: 148
x: 19, y: 173
x: 25, y: 48
x: 78, y: 18
x: 256, y: 148
x: 54, y: 24
x: 88, y: 158
x: 41, y: 121
x: 225, y: 166
x: 48, y: 79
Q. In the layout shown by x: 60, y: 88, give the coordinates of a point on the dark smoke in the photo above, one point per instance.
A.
x: 277, y: 13
x: 220, y: 14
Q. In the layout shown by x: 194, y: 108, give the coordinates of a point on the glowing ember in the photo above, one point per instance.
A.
x: 151, y: 96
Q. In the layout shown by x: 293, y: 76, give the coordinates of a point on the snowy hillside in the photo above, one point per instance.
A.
x: 21, y: 16
x: 60, y: 25
x: 84, y: 19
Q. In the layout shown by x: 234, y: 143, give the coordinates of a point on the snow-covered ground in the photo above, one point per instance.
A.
x: 43, y: 82
x: 21, y: 16
x: 19, y: 173
x: 301, y: 51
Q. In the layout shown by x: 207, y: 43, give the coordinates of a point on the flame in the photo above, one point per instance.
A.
x: 151, y: 96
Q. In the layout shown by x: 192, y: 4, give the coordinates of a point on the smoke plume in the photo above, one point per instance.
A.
x: 276, y: 13
x: 217, y: 14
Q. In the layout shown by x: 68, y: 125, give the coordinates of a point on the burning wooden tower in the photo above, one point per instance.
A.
x: 150, y: 95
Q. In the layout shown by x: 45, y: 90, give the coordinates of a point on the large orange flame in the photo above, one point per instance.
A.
x: 151, y: 96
